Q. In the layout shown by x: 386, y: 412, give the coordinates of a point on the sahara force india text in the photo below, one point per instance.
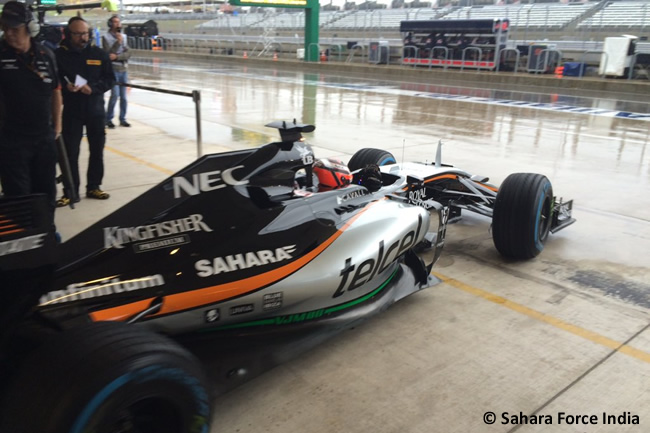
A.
x: 563, y: 418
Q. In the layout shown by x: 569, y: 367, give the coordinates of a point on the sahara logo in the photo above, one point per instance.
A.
x: 101, y: 287
x: 23, y: 244
x: 241, y: 261
x: 353, y: 276
x: 205, y: 182
x: 116, y: 237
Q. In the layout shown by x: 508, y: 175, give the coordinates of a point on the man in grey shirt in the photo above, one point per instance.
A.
x: 114, y: 43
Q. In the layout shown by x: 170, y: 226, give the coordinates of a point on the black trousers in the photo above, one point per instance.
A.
x: 96, y: 135
x: 28, y: 166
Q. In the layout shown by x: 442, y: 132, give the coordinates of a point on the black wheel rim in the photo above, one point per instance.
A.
x: 544, y: 220
x: 151, y: 415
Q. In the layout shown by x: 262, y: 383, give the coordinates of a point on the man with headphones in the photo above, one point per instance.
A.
x: 87, y: 73
x: 114, y: 43
x: 30, y: 107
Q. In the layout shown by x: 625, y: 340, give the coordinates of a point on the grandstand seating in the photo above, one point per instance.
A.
x: 541, y: 16
x: 228, y: 21
x: 331, y: 20
x: 282, y: 20
x: 620, y: 14
x: 552, y: 16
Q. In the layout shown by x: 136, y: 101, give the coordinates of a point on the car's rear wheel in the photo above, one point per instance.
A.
x: 368, y: 156
x: 522, y: 215
x: 108, y: 378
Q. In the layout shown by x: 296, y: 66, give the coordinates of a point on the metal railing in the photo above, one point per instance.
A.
x: 500, y: 56
x: 353, y: 50
x: 602, y: 53
x: 310, y: 50
x: 410, y: 48
x: 228, y: 46
x: 478, y: 57
x: 445, y: 50
x: 545, y: 54
x: 196, y: 98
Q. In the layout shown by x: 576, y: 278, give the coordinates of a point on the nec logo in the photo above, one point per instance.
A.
x: 205, y: 182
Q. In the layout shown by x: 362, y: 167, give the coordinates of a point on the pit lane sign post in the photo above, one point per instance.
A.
x: 311, y: 8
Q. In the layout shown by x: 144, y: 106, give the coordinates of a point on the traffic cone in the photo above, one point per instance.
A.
x: 275, y: 57
x: 245, y: 54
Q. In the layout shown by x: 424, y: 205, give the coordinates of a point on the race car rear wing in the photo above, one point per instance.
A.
x: 27, y: 256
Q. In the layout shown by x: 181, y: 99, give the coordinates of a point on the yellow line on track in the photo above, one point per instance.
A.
x: 140, y: 161
x: 553, y: 321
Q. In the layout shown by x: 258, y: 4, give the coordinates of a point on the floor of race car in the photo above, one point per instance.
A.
x: 562, y: 339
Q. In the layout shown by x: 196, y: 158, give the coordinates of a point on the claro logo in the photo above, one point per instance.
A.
x: 206, y: 268
x: 204, y: 182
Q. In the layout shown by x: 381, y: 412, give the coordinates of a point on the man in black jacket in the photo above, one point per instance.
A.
x: 87, y: 73
x: 30, y: 108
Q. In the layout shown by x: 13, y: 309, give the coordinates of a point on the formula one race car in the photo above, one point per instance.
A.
x: 222, y: 271
x: 523, y: 209
x: 235, y: 244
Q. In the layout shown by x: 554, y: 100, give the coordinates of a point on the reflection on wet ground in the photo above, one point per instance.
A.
x: 593, y: 148
x: 532, y: 99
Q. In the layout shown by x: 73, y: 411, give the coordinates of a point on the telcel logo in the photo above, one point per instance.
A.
x: 353, y: 276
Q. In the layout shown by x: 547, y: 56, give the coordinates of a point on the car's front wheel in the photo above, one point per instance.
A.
x: 368, y: 156
x: 522, y: 215
x: 108, y: 378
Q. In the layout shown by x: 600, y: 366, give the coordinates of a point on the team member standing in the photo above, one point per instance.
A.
x: 114, y: 43
x: 30, y: 100
x: 87, y: 72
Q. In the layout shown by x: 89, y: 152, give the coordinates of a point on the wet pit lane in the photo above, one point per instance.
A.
x: 566, y: 332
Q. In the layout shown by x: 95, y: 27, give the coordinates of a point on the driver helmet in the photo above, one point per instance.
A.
x: 332, y: 174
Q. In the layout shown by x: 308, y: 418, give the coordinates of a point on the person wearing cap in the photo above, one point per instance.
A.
x: 114, y: 43
x: 87, y: 73
x: 30, y: 108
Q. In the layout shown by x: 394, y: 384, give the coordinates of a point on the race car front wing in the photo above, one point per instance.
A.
x: 562, y: 215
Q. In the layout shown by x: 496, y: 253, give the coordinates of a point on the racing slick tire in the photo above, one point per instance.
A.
x: 108, y: 377
x: 522, y: 215
x: 367, y: 156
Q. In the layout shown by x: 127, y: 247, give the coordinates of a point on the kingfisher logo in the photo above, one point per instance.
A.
x: 116, y: 237
x: 236, y: 262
